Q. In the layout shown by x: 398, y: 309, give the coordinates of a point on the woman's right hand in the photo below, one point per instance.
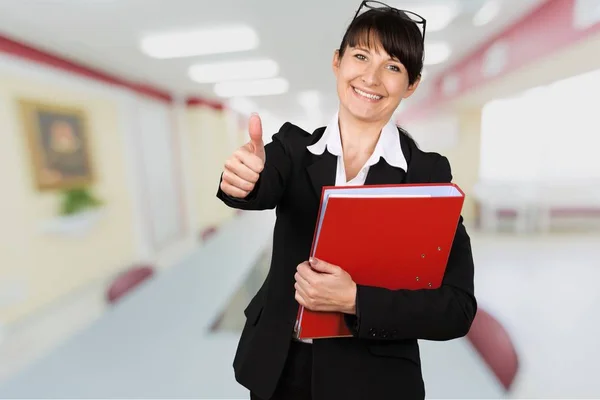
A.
x: 243, y: 168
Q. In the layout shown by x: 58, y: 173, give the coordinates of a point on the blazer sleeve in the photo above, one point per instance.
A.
x: 431, y: 314
x: 272, y: 180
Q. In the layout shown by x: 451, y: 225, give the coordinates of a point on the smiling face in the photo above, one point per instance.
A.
x: 370, y: 83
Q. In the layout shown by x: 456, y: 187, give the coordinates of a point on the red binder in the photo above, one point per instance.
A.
x: 390, y: 236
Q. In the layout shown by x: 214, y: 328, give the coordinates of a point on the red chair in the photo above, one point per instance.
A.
x: 495, y: 346
x: 127, y: 281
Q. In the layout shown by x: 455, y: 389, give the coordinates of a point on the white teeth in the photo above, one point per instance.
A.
x: 367, y: 95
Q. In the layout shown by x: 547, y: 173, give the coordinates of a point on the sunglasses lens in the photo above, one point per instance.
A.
x: 412, y: 16
x: 374, y: 5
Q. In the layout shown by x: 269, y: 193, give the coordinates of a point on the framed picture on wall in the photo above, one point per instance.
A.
x: 58, y: 140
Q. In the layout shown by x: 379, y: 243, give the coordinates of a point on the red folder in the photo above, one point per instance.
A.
x: 390, y: 236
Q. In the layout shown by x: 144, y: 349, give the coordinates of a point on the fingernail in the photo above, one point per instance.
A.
x: 312, y: 260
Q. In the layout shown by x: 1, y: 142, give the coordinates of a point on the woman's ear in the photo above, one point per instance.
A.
x: 336, y: 62
x: 411, y: 88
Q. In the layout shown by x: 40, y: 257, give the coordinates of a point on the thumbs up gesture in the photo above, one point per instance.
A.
x: 243, y: 168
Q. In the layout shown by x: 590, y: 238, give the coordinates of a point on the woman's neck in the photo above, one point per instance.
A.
x: 358, y: 137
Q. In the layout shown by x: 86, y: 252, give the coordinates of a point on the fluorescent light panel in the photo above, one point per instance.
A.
x: 200, y: 42
x: 238, y: 70
x: 250, y: 88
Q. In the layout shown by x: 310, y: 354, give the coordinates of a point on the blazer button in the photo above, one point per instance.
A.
x: 384, y: 334
x: 394, y: 334
x: 372, y: 332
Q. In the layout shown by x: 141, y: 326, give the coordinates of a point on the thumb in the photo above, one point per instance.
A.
x: 322, y: 266
x: 256, y: 135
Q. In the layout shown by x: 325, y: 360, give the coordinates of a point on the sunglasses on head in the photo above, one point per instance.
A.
x: 377, y: 5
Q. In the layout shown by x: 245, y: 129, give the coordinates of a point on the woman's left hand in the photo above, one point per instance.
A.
x: 321, y: 286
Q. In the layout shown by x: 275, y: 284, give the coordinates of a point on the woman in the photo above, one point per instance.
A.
x: 378, y: 64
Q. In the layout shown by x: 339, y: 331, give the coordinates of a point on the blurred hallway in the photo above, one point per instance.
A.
x: 543, y: 288
x: 123, y: 276
x: 545, y: 297
x: 25, y: 343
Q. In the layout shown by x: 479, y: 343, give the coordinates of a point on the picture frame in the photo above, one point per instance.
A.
x: 59, y: 145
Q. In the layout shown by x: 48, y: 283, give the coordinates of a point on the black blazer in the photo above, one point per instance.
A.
x: 381, y: 360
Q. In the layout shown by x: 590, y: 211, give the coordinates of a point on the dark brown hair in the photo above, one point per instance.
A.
x: 399, y: 36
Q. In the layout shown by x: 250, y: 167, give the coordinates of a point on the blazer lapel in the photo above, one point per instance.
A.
x: 321, y: 171
x: 382, y: 173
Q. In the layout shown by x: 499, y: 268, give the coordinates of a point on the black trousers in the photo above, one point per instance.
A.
x: 296, y: 379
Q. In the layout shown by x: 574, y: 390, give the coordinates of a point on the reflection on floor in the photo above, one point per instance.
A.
x: 29, y: 340
x: 232, y: 319
x: 543, y: 288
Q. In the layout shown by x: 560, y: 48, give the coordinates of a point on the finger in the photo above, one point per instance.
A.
x: 249, y: 159
x: 301, y: 300
x: 302, y: 291
x: 238, y: 168
x: 302, y: 281
x: 232, y: 190
x: 255, y: 131
x: 236, y: 181
x: 306, y: 273
x: 322, y: 266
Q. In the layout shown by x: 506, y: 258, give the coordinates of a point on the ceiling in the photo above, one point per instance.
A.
x: 300, y: 36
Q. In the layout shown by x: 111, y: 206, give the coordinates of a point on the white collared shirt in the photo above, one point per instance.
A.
x: 388, y: 147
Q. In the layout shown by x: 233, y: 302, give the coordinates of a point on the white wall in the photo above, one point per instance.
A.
x: 136, y: 151
x: 159, y: 166
x: 438, y: 134
x: 455, y: 135
x: 546, y: 133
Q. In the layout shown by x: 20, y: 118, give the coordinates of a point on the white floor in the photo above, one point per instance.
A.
x: 27, y: 341
x: 542, y: 288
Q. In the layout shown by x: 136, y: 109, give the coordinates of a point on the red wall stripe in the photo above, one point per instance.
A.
x: 30, y: 53
x: 199, y: 102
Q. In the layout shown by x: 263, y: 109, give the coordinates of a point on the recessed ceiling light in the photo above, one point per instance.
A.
x: 237, y: 70
x: 438, y: 15
x: 200, y: 42
x: 259, y: 87
x: 487, y: 13
x: 436, y: 53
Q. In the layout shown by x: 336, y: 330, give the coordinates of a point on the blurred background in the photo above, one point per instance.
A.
x: 122, y: 275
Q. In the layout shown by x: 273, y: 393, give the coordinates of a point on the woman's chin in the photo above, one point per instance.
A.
x: 366, y: 114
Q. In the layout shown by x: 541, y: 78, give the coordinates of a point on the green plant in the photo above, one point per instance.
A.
x: 76, y: 200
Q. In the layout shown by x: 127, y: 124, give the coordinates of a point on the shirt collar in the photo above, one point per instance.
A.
x: 388, y: 146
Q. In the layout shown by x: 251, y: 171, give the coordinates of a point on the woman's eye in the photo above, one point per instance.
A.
x: 360, y: 57
x: 394, y: 68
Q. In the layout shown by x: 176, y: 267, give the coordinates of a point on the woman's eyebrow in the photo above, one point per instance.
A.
x: 367, y: 50
x: 362, y: 48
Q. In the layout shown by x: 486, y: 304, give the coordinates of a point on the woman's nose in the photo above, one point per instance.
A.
x: 371, y: 77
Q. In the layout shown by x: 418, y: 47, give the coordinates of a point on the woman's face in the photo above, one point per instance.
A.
x: 370, y: 83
